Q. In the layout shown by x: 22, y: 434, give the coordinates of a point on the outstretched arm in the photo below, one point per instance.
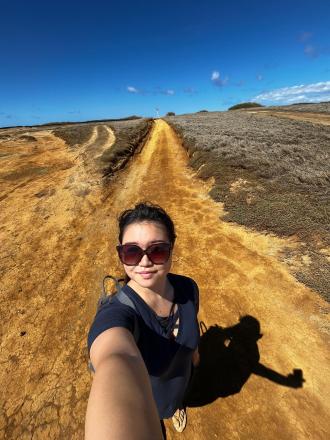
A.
x: 293, y: 380
x: 121, y: 404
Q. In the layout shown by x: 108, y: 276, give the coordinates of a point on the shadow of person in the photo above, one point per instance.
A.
x: 228, y: 356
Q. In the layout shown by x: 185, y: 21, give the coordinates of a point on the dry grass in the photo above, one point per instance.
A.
x: 322, y: 107
x: 272, y: 175
x: 129, y: 135
x: 74, y: 135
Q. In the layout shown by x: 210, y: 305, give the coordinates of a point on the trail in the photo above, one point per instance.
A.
x: 55, y: 283
x: 238, y: 274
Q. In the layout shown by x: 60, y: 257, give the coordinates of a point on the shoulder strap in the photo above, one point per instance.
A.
x: 125, y: 299
x: 122, y: 297
x: 104, y: 297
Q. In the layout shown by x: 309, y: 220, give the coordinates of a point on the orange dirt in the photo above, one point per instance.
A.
x: 55, y: 249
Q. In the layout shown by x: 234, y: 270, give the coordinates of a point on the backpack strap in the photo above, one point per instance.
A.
x: 126, y: 300
x: 123, y: 298
x: 104, y: 295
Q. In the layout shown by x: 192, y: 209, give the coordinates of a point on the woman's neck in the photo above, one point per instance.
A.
x: 155, y: 295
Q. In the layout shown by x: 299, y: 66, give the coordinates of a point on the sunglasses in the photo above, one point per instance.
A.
x: 132, y: 254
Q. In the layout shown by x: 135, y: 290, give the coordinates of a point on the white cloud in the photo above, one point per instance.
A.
x: 311, y: 51
x: 259, y: 77
x: 189, y: 90
x: 131, y: 89
x: 305, y: 36
x: 168, y: 92
x: 215, y: 78
x: 302, y: 93
x: 300, y: 98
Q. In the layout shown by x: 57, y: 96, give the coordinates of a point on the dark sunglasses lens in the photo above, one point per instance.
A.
x: 130, y: 254
x: 159, y: 253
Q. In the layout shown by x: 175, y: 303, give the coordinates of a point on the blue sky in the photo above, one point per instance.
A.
x: 70, y: 60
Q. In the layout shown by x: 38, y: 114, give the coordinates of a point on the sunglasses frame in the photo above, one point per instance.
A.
x: 144, y: 252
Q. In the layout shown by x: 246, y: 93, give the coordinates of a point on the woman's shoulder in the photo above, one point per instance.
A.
x: 187, y: 287
x: 112, y: 313
x: 182, y: 280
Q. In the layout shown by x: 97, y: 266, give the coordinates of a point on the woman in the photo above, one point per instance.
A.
x: 141, y: 380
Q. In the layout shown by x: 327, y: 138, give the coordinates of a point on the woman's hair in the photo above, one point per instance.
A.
x: 146, y: 211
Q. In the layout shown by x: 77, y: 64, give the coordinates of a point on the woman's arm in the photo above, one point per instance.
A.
x: 121, y: 404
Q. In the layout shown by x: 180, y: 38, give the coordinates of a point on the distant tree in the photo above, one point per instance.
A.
x: 170, y: 114
x: 129, y: 118
x: 245, y: 105
x: 202, y: 111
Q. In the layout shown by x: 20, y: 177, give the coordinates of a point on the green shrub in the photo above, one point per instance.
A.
x: 245, y: 105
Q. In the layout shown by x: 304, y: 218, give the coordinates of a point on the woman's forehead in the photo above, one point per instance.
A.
x: 145, y: 232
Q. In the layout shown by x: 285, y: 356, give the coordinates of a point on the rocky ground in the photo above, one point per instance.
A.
x: 50, y: 192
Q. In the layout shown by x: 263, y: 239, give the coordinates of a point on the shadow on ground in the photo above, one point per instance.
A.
x: 228, y: 356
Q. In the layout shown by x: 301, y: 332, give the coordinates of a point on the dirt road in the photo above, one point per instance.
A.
x: 56, y: 253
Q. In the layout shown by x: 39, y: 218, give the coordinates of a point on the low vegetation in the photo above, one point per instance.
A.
x: 321, y: 107
x: 271, y: 174
x: 27, y: 138
x: 130, y: 135
x: 245, y: 105
x: 74, y: 135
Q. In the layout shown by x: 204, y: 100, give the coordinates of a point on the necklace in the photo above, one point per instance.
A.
x: 167, y: 322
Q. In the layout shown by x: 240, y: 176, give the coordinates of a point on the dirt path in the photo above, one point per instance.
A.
x: 52, y: 284
x: 316, y: 118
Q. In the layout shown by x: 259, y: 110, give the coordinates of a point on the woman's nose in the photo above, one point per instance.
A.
x: 145, y: 261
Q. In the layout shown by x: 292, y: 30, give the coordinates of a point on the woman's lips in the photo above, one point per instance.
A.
x: 146, y: 275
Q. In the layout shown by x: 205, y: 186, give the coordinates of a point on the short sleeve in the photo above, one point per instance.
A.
x: 108, y: 316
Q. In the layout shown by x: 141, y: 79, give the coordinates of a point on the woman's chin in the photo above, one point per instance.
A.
x: 147, y: 280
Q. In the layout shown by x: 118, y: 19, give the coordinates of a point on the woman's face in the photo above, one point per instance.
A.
x: 146, y: 273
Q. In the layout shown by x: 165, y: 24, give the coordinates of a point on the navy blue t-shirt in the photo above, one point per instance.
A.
x: 168, y: 359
